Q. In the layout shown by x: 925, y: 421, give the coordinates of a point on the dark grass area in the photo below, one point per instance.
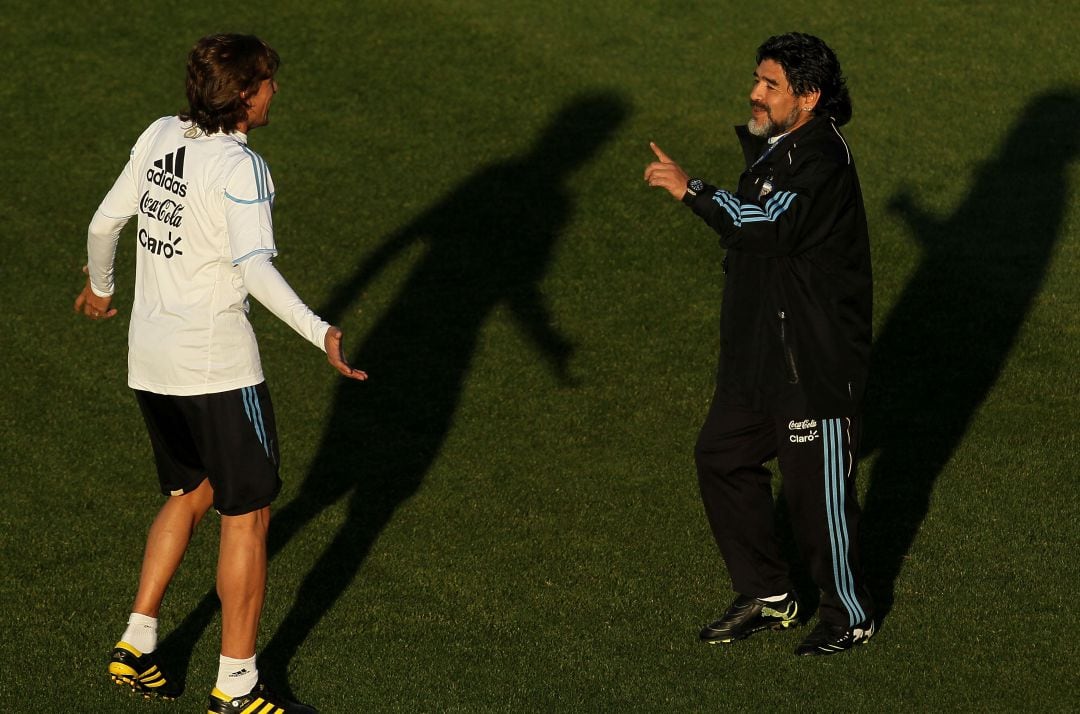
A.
x: 505, y: 518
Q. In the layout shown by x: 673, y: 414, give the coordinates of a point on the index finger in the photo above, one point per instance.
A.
x: 660, y: 153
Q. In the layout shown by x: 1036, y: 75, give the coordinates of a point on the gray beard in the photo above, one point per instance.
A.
x: 767, y: 129
x: 762, y: 128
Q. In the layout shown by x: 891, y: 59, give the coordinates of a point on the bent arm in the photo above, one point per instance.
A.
x: 787, y: 221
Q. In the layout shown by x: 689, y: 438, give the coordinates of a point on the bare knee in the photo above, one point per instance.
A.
x: 252, y: 523
x: 189, y: 507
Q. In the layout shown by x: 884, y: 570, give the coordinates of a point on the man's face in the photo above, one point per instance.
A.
x: 774, y: 108
x: 259, y: 111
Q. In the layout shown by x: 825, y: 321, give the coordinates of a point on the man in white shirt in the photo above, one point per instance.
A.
x: 205, y: 243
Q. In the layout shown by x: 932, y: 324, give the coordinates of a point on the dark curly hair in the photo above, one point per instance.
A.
x: 219, y: 69
x: 809, y: 65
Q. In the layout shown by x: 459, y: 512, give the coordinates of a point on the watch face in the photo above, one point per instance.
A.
x: 697, y: 185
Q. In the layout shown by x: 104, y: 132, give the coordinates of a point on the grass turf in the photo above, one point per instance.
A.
x: 475, y: 530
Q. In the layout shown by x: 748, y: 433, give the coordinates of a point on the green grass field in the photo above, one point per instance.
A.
x: 506, y: 517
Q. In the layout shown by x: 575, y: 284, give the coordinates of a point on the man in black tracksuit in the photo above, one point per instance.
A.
x: 795, y: 345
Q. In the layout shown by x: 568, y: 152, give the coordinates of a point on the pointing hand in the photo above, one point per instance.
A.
x: 665, y: 173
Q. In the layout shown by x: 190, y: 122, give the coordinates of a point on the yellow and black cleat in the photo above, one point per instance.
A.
x: 260, y: 700
x: 130, y: 668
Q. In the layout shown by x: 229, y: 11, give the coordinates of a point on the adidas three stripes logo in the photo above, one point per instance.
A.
x: 171, y: 166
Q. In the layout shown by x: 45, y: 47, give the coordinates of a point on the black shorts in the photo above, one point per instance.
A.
x: 228, y: 437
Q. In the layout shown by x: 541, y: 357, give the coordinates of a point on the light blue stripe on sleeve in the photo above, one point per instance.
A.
x: 234, y: 199
x: 749, y: 213
x: 258, y: 166
x: 245, y: 256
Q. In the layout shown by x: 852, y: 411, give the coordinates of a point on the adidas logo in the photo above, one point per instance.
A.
x: 178, y: 169
x: 168, y: 170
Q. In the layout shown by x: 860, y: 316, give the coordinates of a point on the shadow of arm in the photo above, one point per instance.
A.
x: 372, y: 265
x: 920, y: 223
x: 531, y: 313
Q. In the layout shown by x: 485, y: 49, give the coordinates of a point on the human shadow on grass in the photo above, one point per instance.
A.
x: 948, y: 338
x: 487, y: 244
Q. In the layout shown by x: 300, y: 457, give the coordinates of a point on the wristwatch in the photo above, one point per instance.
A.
x: 693, y: 187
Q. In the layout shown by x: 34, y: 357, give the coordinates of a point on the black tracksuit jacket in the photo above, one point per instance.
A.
x: 795, y: 327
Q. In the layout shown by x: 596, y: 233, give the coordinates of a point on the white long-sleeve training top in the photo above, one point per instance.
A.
x: 205, y: 242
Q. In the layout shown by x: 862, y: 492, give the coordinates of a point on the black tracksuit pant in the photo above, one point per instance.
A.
x: 816, y: 454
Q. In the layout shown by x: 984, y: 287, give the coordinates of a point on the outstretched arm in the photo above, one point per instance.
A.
x: 266, y: 285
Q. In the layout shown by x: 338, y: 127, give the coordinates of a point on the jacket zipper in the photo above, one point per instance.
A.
x: 789, y: 357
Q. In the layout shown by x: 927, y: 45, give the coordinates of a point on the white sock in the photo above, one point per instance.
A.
x: 141, y: 633
x: 773, y: 598
x: 236, y: 677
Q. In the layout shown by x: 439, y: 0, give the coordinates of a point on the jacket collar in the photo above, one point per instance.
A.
x: 754, y: 146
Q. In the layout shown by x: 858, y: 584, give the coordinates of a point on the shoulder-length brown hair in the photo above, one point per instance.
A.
x: 219, y: 69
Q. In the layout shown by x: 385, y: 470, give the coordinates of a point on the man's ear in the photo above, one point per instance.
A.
x: 808, y: 102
